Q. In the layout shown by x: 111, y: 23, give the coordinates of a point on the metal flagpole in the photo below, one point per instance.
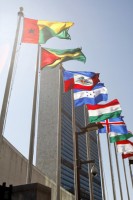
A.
x: 101, y: 166
x: 75, y: 153
x: 33, y: 123
x: 111, y: 167
x: 77, y: 169
x: 58, y: 165
x: 126, y: 179
x: 9, y: 78
x: 131, y: 174
x: 88, y: 153
x: 116, y: 157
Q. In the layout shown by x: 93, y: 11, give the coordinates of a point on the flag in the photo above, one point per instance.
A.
x: 116, y: 125
x: 79, y: 80
x: 114, y: 137
x: 52, y: 57
x: 39, y: 31
x: 126, y: 155
x: 97, y: 94
x: 125, y: 146
x: 101, y: 112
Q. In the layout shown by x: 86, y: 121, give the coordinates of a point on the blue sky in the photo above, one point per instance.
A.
x: 104, y: 30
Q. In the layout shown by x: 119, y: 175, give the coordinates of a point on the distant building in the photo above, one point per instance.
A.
x: 47, y: 136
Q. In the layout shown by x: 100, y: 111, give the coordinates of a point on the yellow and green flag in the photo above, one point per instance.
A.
x: 52, y: 57
x: 39, y: 31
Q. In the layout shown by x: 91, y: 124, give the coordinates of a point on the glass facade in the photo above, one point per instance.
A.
x: 67, y: 174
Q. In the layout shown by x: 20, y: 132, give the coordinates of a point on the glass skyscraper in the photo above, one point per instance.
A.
x: 47, y: 137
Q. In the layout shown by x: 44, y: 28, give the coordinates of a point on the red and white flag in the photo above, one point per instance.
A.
x: 125, y: 146
x: 100, y: 112
x: 126, y: 155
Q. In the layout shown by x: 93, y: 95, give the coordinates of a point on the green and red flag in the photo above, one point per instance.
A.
x: 39, y: 31
x: 52, y: 57
x: 100, y: 112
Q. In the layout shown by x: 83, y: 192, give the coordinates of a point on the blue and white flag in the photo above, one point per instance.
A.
x: 98, y: 94
x: 111, y: 125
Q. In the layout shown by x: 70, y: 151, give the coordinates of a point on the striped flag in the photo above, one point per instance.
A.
x: 114, y: 137
x: 101, y: 112
x: 125, y: 146
x: 97, y: 94
x: 126, y: 155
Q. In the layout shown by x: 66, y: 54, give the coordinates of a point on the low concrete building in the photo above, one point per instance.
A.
x: 13, y: 167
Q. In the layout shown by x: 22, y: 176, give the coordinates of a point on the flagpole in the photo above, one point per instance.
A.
x: 131, y: 174
x: 58, y: 164
x: 88, y: 153
x: 111, y: 167
x: 126, y: 178
x: 101, y: 166
x: 75, y: 153
x: 116, y: 158
x: 33, y: 123
x: 9, y: 78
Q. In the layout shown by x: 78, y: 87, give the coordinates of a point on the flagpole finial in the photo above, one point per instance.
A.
x: 20, y: 13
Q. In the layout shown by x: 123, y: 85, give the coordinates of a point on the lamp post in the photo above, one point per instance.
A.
x: 79, y: 163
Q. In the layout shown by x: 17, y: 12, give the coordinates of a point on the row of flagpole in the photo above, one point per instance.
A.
x: 33, y: 123
x: 112, y: 176
x: 118, y: 170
